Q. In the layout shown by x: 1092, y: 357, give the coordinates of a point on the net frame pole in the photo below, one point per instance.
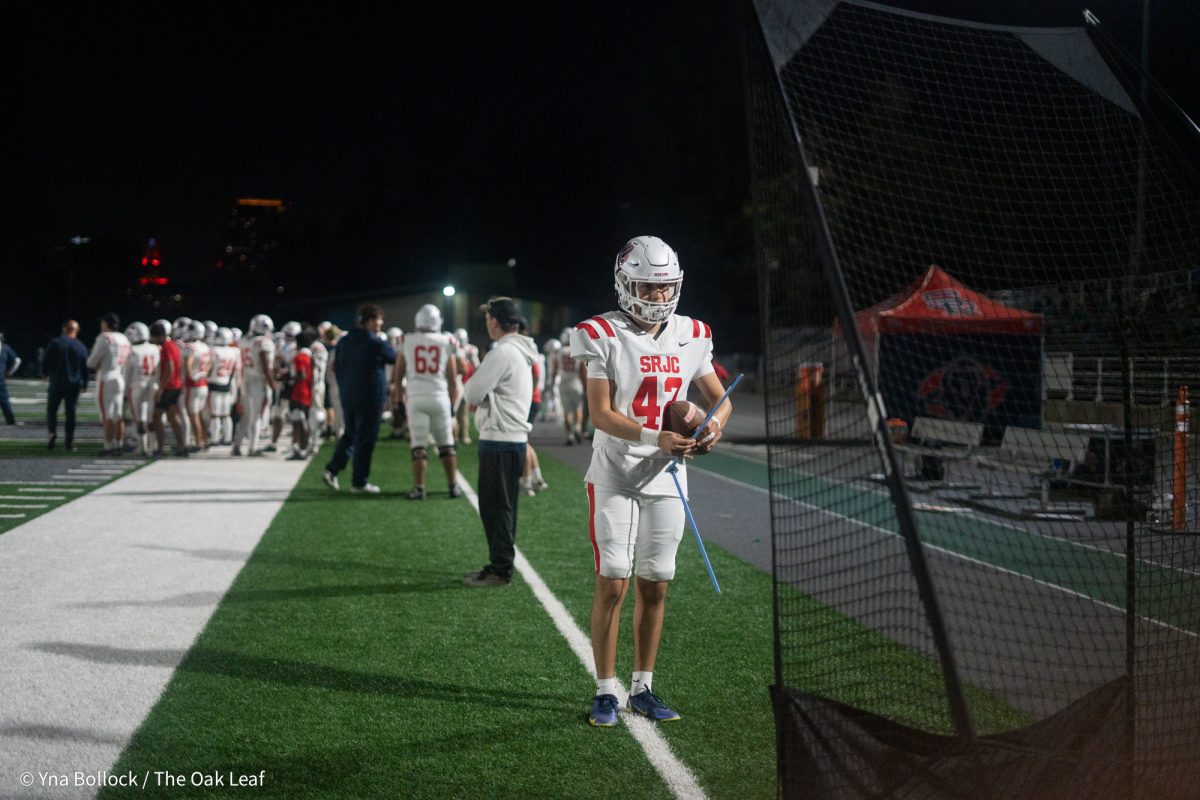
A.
x: 889, y: 460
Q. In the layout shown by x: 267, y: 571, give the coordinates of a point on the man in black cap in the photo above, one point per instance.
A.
x: 501, y: 389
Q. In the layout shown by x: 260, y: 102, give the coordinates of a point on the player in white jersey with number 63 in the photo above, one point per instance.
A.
x: 639, y: 360
x: 427, y: 362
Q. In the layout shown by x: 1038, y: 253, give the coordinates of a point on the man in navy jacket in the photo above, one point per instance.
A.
x: 65, y: 366
x: 361, y: 356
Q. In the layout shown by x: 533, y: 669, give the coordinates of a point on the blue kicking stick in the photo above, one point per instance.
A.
x: 673, y: 468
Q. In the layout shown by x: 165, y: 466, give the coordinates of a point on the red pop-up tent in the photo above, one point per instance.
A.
x: 940, y: 349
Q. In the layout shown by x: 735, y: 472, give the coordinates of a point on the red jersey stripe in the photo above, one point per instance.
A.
x: 584, y: 326
x: 695, y: 329
x: 707, y: 331
x: 603, y: 323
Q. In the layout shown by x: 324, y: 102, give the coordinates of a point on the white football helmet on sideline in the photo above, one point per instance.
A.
x: 262, y: 325
x: 291, y: 329
x: 137, y: 332
x: 463, y: 338
x: 181, y: 327
x: 552, y: 346
x: 647, y: 259
x: 210, y: 330
x: 222, y: 337
x: 565, y: 336
x: 195, y: 332
x: 429, y: 318
x: 393, y: 336
x: 235, y: 335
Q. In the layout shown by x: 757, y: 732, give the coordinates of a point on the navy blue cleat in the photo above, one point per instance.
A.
x: 605, y: 709
x: 648, y: 704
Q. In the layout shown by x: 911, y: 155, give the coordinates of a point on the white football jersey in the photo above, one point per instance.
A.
x: 320, y: 361
x: 566, y: 367
x: 109, y: 354
x: 253, y: 348
x: 201, y: 362
x: 225, y: 361
x: 141, y: 368
x: 425, y: 358
x: 648, y: 374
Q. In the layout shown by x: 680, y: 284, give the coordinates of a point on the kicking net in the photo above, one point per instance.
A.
x: 979, y: 259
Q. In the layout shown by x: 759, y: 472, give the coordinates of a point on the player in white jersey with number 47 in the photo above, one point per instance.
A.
x: 639, y: 360
x: 107, y: 358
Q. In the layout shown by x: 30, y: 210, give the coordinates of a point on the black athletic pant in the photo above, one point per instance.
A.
x: 5, y: 405
x: 68, y: 394
x: 500, y: 468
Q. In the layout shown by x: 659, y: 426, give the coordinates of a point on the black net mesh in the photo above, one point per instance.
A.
x: 1018, y: 250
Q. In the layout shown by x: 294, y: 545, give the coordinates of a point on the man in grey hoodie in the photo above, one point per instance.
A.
x: 501, y: 389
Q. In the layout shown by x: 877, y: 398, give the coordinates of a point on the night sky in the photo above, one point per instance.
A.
x: 408, y: 140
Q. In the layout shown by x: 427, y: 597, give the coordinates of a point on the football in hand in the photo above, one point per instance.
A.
x: 683, y: 417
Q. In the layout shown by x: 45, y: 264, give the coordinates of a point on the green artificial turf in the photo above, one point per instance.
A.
x: 347, y: 660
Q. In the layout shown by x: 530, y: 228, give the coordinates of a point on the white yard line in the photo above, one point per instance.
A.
x: 103, y: 596
x: 679, y: 779
x: 13, y: 516
x: 36, y: 489
x: 25, y: 505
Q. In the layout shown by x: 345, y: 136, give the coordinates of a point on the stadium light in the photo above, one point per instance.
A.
x: 448, y: 291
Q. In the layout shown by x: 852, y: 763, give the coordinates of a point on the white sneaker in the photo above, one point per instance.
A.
x: 330, y: 480
x: 540, y: 486
x: 370, y: 488
x: 527, y: 488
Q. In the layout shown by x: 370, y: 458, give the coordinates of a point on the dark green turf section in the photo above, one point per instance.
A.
x: 348, y: 661
x: 1090, y: 572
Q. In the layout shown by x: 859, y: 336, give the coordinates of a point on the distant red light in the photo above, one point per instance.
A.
x: 155, y: 262
x: 144, y: 261
x: 152, y: 281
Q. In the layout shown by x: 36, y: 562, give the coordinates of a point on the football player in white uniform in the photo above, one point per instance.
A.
x: 639, y: 360
x: 258, y: 382
x: 570, y: 390
x: 285, y: 344
x: 197, y: 363
x: 141, y: 382
x: 468, y: 362
x: 223, y: 386
x: 396, y: 412
x: 107, y: 359
x: 550, y: 403
x: 316, y: 414
x: 427, y: 362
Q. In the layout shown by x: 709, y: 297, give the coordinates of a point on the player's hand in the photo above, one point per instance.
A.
x: 709, y: 437
x: 675, y: 445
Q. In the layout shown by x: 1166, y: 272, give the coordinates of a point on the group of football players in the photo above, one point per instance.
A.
x: 213, y: 385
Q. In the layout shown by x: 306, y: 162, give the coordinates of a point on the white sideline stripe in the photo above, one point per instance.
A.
x: 94, y: 471
x: 13, y: 516
x: 25, y: 505
x: 39, y: 497
x: 31, y: 484
x: 678, y: 778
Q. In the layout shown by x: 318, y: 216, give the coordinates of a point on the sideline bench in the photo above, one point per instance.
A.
x: 933, y: 441
x: 1042, y: 454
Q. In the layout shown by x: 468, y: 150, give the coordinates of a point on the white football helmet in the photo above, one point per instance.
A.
x: 195, y: 332
x: 262, y: 325
x: 565, y: 336
x: 165, y: 323
x: 222, y: 337
x: 235, y: 335
x: 180, y: 329
x: 647, y: 259
x: 429, y: 318
x: 461, y: 335
x: 552, y: 346
x: 210, y: 330
x: 291, y: 329
x: 393, y: 336
x: 323, y: 326
x: 137, y: 332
